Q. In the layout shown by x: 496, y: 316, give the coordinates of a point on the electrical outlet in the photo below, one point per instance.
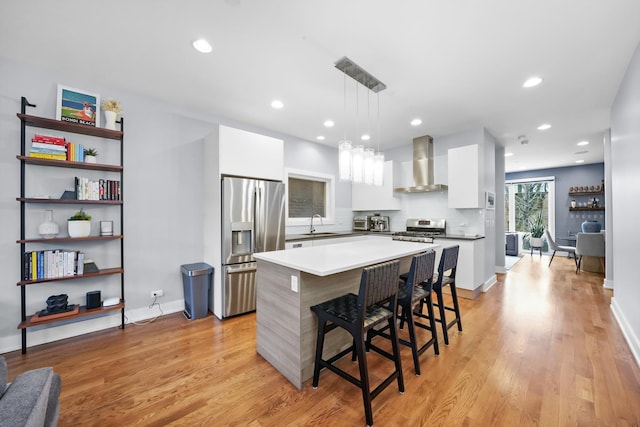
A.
x: 158, y: 293
x: 294, y: 283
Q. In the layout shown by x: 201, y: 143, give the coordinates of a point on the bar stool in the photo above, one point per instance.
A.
x: 414, y: 289
x: 448, y: 263
x: 375, y: 303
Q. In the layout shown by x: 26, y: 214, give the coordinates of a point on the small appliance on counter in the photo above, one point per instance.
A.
x: 378, y: 223
x: 361, y: 223
x: 421, y: 230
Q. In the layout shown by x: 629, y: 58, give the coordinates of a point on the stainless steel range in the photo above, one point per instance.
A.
x: 421, y: 230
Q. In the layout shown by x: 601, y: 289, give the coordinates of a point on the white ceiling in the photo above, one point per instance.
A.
x: 457, y: 65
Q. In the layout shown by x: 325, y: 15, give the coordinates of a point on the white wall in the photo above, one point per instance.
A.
x: 625, y: 175
x: 162, y: 192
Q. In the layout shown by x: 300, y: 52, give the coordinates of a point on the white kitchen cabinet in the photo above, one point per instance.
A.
x: 470, y: 267
x: 466, y: 177
x: 372, y: 198
x: 250, y: 154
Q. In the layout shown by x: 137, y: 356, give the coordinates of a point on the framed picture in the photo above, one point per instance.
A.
x: 78, y: 106
x: 490, y: 200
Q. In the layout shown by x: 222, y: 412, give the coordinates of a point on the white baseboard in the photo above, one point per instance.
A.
x: 607, y: 284
x: 489, y: 283
x: 627, y: 330
x: 44, y: 334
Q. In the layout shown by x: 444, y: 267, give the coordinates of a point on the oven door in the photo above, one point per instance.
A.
x: 239, y: 288
x: 361, y: 224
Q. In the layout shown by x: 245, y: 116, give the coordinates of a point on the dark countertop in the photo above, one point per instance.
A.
x: 338, y: 234
x: 459, y: 237
x: 332, y: 235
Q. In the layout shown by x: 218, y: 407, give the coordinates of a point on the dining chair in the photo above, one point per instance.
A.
x: 555, y: 247
x: 589, y: 244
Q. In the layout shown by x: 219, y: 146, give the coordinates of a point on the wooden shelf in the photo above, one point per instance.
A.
x: 587, y: 193
x: 71, y: 239
x: 599, y: 208
x: 69, y: 201
x: 84, y: 312
x: 69, y: 164
x: 41, y: 122
x: 103, y: 272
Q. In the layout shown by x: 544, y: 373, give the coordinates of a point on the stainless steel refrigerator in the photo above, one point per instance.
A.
x: 252, y: 221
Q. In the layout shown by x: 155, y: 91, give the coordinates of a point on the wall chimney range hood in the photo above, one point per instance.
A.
x: 422, y: 168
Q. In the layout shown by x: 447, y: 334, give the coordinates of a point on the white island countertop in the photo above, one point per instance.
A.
x: 331, y: 259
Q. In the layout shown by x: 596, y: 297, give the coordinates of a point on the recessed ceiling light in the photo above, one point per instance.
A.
x: 532, y: 81
x: 579, y: 161
x: 277, y: 104
x: 544, y: 126
x: 582, y: 143
x: 365, y: 137
x: 201, y: 45
x: 320, y: 137
x: 328, y: 123
x: 508, y: 154
x: 416, y: 122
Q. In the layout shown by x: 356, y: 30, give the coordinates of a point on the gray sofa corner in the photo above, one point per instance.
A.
x: 32, y: 399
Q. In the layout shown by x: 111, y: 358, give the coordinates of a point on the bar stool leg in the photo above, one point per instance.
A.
x: 319, y: 347
x: 364, y: 380
x: 443, y: 316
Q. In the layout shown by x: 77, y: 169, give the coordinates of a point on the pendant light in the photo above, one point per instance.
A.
x: 344, y: 147
x: 378, y: 158
x: 356, y: 163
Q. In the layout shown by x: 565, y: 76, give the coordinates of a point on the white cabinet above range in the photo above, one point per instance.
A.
x: 371, y: 198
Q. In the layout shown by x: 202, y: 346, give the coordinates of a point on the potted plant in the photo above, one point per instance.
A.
x: 90, y: 155
x: 79, y: 225
x: 111, y: 109
x: 536, y: 230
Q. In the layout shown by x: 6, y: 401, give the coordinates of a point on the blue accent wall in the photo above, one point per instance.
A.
x: 571, y: 176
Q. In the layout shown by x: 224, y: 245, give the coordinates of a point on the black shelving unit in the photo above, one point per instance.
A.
x: 27, y: 120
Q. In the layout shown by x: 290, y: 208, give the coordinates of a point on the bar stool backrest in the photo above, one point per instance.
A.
x: 448, y: 262
x: 421, y: 271
x: 379, y: 283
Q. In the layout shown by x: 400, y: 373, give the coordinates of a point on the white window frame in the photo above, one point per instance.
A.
x: 551, y: 202
x: 330, y: 196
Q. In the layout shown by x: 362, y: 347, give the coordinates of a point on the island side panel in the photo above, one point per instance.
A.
x: 278, y: 320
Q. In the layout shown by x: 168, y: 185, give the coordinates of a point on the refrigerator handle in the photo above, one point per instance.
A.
x: 256, y: 220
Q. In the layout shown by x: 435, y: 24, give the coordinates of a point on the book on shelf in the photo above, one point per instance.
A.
x: 51, y: 139
x: 103, y: 189
x: 48, y: 156
x: 53, y: 263
x: 48, y: 146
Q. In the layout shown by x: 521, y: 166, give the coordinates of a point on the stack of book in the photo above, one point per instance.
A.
x: 103, y: 189
x: 48, y: 147
x: 52, y: 264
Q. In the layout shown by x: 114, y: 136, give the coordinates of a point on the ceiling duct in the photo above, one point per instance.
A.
x: 422, y: 168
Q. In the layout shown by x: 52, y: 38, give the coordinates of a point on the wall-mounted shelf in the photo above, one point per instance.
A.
x: 599, y: 208
x: 587, y: 193
x: 27, y: 323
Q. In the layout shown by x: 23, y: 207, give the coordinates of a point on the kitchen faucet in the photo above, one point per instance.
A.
x: 311, y: 229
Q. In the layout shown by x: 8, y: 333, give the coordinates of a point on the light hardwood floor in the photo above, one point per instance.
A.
x: 540, y: 348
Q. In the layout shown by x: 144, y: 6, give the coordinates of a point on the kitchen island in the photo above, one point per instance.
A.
x: 290, y: 281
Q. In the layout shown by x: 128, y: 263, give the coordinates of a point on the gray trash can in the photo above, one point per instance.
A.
x: 197, y: 282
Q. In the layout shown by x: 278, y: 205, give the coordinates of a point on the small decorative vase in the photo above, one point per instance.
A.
x: 110, y: 120
x: 79, y: 228
x: 591, y: 226
x: 89, y: 159
x: 573, y: 203
x: 48, y: 229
